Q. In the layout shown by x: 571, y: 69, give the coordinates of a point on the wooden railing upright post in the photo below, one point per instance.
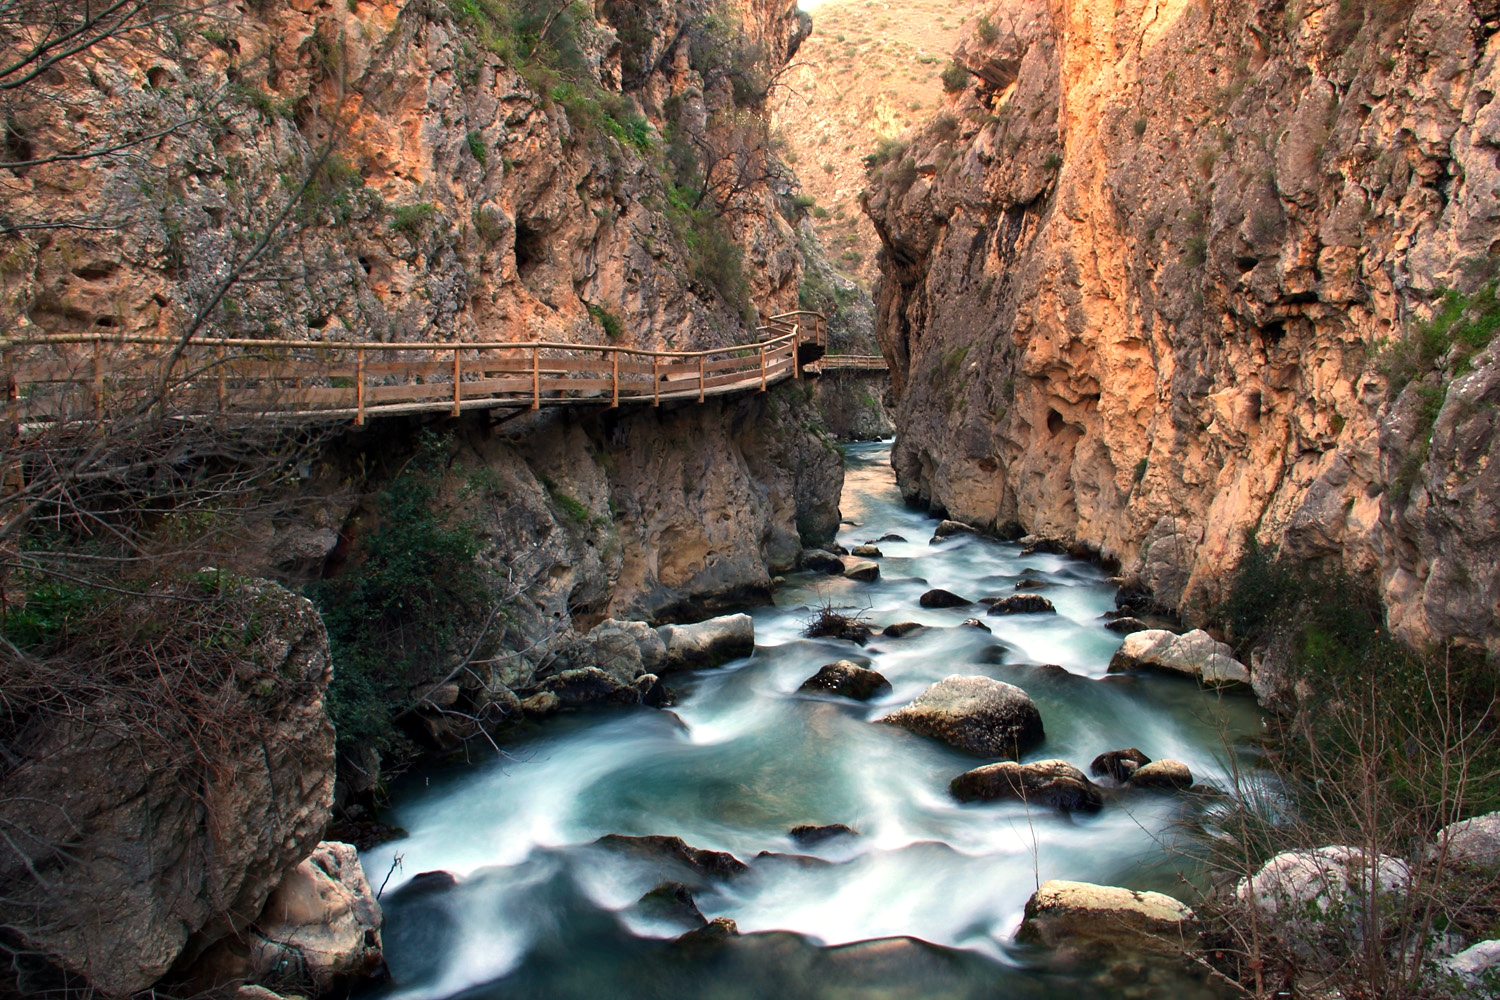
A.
x: 458, y: 382
x: 762, y: 367
x: 615, y: 400
x: 536, y: 378
x: 797, y: 350
x: 359, y: 388
x: 700, y: 378
x: 655, y: 379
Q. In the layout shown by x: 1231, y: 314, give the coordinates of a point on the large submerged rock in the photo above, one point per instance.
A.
x: 982, y: 716
x: 1194, y: 654
x: 848, y: 679
x: 707, y: 644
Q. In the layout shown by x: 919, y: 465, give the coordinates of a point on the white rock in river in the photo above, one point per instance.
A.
x: 707, y: 644
x: 980, y: 715
x: 1075, y: 914
x: 1194, y: 654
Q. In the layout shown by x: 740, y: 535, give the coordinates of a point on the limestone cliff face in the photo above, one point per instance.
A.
x: 1137, y: 278
x: 465, y: 191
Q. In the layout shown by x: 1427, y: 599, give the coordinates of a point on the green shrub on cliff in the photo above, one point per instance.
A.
x: 1461, y: 326
x: 394, y: 611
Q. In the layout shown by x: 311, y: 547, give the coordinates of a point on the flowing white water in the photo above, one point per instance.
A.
x: 743, y: 757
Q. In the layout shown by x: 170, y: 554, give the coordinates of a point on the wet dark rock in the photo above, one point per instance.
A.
x: 830, y: 623
x: 863, y: 570
x: 795, y: 860
x: 1023, y: 604
x: 673, y: 901
x: 1118, y: 764
x: 898, y: 629
x: 818, y: 834
x: 975, y: 623
x: 590, y: 685
x: 1053, y: 784
x: 820, y: 561
x: 939, y: 598
x: 891, y: 537
x: 1165, y: 774
x: 1127, y: 625
x: 364, y: 833
x: 837, y: 549
x: 947, y: 529
x: 1031, y: 583
x: 423, y: 883
x: 867, y: 552
x: 541, y: 705
x: 716, y: 931
x: 979, y: 715
x: 848, y: 679
x: 1048, y: 546
x: 704, y: 862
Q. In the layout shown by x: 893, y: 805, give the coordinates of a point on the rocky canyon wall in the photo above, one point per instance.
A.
x: 1141, y: 280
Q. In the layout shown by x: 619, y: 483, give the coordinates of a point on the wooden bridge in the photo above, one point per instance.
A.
x: 80, y: 376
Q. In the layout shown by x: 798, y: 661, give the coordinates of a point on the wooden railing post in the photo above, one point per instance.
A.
x: 359, y: 388
x: 762, y: 367
x: 615, y: 400
x: 458, y: 381
x: 536, y: 378
x: 700, y: 378
x: 655, y: 379
x: 797, y: 351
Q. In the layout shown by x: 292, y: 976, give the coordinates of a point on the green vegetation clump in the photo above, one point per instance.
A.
x: 614, y: 327
x: 412, y: 219
x: 955, y: 77
x: 1461, y: 326
x: 395, y: 611
x: 477, y: 148
x: 885, y: 151
x: 986, y: 30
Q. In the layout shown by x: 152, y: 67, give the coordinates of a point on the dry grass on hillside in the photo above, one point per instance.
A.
x: 869, y: 72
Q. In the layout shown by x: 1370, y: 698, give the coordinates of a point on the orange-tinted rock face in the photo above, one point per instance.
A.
x: 456, y: 202
x: 1136, y: 295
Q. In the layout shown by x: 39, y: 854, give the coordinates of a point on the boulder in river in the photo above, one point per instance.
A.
x: 897, y: 629
x: 891, y: 536
x: 1194, y: 654
x: 672, y: 901
x: 820, y: 561
x: 1050, y: 784
x: 939, y: 598
x: 1118, y: 764
x: 979, y: 715
x: 1079, y: 914
x: 1022, y: 604
x: 818, y: 834
x: 320, y: 925
x: 848, y: 679
x: 707, y: 644
x: 704, y: 862
x: 541, y: 705
x: 867, y: 551
x: 975, y: 623
x: 947, y: 529
x: 862, y: 570
x: 1031, y: 583
x: 1126, y: 625
x: 716, y: 931
x: 1474, y: 841
x: 590, y: 685
x: 1166, y: 773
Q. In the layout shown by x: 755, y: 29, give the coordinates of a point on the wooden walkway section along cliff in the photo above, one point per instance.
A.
x: 80, y: 376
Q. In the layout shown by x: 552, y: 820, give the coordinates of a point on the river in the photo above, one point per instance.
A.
x: 922, y: 902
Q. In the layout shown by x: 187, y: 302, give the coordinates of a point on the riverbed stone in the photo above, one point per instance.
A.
x: 707, y: 644
x: 1118, y: 764
x: 1126, y: 625
x: 1194, y: 654
x: 1474, y: 841
x: 541, y: 704
x: 716, y: 931
x: 1077, y: 914
x: 979, y: 715
x: 1050, y: 784
x: 867, y: 551
x: 818, y: 834
x: 1022, y: 604
x: 975, y: 623
x: 897, y: 629
x: 939, y: 598
x: 590, y: 686
x: 948, y: 529
x: 704, y: 862
x: 321, y: 923
x: 847, y: 678
x: 820, y: 561
x: 891, y: 536
x: 862, y: 570
x: 1166, y: 773
x: 1031, y: 583
x: 672, y: 901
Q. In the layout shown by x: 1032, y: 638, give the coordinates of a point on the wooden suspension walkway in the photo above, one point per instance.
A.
x: 848, y: 362
x: 79, y: 376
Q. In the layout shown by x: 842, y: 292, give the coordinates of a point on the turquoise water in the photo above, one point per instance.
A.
x: 923, y: 902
